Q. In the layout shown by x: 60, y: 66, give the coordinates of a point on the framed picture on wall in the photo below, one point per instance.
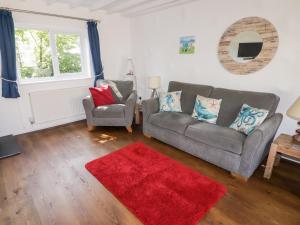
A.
x: 187, y: 45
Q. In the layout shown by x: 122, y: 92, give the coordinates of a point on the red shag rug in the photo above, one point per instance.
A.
x: 157, y: 189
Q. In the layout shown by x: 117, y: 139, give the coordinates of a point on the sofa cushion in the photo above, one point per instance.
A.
x: 109, y: 111
x: 216, y: 136
x: 189, y: 94
x: 232, y: 101
x: 174, y: 121
x: 125, y: 87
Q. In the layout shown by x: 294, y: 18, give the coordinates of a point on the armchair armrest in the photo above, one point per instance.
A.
x: 130, y: 107
x: 88, y: 105
x: 257, y: 144
x: 150, y: 106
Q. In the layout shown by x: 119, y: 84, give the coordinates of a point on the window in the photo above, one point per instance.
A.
x: 47, y: 54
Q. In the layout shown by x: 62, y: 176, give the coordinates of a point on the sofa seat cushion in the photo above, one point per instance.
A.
x: 110, y: 111
x: 174, y: 121
x: 217, y: 136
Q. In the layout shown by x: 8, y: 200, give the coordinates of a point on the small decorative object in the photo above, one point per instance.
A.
x: 154, y: 84
x: 130, y: 74
x: 249, y: 119
x: 294, y: 113
x: 207, y: 109
x: 170, y: 102
x: 187, y: 45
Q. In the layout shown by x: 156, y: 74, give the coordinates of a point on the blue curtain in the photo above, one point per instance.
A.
x: 95, y: 50
x: 8, y: 55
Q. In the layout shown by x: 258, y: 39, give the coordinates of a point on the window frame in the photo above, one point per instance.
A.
x: 52, y: 32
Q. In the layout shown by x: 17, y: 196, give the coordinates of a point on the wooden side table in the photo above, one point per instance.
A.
x: 284, y: 144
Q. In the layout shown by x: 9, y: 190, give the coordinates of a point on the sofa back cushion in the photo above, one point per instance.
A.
x: 233, y: 100
x: 189, y: 94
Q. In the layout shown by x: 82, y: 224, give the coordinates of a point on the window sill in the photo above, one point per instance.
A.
x: 52, y: 80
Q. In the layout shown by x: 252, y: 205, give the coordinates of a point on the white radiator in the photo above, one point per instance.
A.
x: 57, y: 104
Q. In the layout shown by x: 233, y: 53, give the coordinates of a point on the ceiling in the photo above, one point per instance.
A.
x: 129, y: 8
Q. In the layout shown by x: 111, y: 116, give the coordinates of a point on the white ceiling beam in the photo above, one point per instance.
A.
x: 157, y: 8
x: 149, y: 5
x: 103, y: 4
x: 131, y: 4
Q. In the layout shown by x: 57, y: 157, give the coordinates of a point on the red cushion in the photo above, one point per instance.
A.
x: 102, y: 95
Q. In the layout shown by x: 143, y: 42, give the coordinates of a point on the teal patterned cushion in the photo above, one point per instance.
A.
x: 170, y: 102
x: 206, y: 109
x: 248, y: 119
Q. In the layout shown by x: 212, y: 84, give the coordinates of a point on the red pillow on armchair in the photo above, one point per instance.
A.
x: 102, y: 95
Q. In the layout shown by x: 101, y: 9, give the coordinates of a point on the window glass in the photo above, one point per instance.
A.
x: 69, y: 53
x: 33, y: 53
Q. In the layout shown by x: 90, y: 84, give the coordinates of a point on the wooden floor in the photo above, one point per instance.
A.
x: 48, y: 184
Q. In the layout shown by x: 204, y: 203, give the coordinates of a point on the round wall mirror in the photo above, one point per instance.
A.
x: 248, y: 45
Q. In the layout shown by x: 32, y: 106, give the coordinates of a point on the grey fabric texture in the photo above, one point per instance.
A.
x: 224, y: 159
x: 218, y: 144
x: 216, y: 136
x: 88, y: 105
x: 232, y: 101
x: 166, y: 120
x: 110, y: 111
x: 112, y: 115
x: 256, y: 145
x: 189, y: 94
x: 149, y: 107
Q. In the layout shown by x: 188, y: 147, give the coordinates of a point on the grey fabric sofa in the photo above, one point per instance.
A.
x: 112, y: 115
x: 217, y: 144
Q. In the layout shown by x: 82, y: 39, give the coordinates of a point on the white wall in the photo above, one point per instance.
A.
x: 115, y: 40
x: 156, y: 45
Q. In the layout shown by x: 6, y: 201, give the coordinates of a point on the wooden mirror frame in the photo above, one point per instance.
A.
x: 270, y: 39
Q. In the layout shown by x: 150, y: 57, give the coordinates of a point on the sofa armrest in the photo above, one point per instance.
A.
x: 130, y: 107
x: 257, y: 144
x: 150, y: 106
x: 88, y: 105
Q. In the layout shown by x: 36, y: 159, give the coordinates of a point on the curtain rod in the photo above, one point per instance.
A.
x: 48, y: 14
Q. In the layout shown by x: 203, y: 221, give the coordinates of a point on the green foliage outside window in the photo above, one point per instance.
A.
x: 34, y: 56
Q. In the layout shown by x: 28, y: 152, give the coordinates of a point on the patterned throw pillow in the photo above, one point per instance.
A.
x: 248, y: 119
x: 170, y: 102
x: 207, y: 109
x: 113, y: 87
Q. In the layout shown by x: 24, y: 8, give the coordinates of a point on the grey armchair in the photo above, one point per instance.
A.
x: 120, y: 114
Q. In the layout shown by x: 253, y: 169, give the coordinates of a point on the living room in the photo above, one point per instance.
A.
x: 201, y: 96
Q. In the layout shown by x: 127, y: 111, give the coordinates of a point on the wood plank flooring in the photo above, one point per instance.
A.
x: 48, y: 184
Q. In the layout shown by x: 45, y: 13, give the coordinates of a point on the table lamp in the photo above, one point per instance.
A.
x: 154, y: 84
x: 294, y: 113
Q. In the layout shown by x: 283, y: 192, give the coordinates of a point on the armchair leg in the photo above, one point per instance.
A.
x: 239, y: 177
x: 90, y: 127
x: 129, y: 129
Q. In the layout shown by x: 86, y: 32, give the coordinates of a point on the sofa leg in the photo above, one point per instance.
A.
x: 129, y: 129
x: 239, y: 177
x: 90, y: 127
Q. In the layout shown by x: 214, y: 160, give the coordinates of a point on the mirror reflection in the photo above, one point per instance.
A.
x: 245, y: 46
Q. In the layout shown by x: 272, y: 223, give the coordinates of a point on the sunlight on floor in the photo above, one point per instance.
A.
x: 103, y: 138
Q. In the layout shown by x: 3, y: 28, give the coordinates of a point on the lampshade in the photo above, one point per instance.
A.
x: 294, y: 110
x: 154, y: 82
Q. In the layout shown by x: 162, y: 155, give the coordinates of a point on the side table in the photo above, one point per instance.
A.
x: 285, y: 145
x: 138, y: 110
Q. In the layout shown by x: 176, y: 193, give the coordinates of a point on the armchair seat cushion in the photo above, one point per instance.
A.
x: 174, y: 121
x: 110, y: 111
x: 217, y: 136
